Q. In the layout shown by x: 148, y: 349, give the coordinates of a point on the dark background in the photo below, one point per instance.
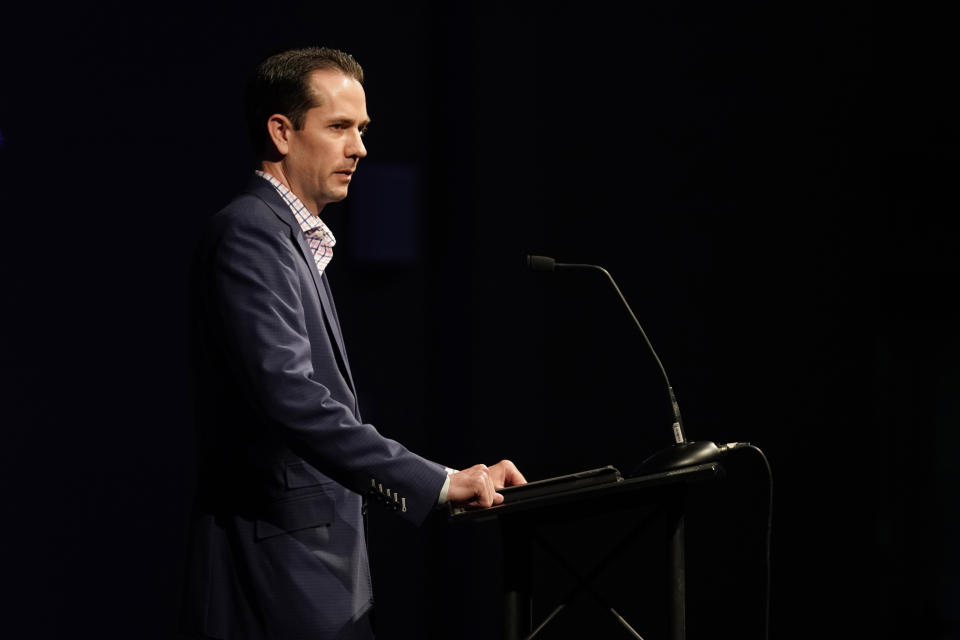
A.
x: 773, y: 185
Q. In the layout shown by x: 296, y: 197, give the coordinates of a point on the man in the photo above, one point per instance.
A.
x: 278, y: 547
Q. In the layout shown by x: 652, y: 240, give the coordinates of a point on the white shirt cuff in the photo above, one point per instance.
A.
x: 446, y: 486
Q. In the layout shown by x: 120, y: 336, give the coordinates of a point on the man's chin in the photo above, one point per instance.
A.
x: 334, y: 196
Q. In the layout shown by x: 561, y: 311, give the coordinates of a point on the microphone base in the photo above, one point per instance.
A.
x: 676, y: 456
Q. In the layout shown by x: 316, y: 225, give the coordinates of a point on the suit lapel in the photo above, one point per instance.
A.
x: 326, y: 301
x: 265, y: 191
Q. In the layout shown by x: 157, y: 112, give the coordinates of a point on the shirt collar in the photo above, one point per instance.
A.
x: 308, y: 222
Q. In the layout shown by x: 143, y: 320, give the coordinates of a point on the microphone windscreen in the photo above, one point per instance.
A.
x: 541, y: 263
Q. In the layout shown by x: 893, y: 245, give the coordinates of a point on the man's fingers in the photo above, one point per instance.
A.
x: 514, y: 477
x: 473, y: 487
x: 478, y: 485
x: 487, y: 489
x: 506, y: 474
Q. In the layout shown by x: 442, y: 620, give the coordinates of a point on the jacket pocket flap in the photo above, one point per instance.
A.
x: 305, y: 513
x: 301, y: 474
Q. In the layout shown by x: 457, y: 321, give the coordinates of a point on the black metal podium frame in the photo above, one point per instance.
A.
x: 518, y: 521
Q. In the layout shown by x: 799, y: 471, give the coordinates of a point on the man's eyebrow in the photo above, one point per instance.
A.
x: 363, y: 124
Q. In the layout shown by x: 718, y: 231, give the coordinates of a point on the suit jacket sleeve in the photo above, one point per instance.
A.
x: 258, y: 292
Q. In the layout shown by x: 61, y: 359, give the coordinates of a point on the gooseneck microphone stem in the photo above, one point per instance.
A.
x: 682, y: 453
x: 678, y: 434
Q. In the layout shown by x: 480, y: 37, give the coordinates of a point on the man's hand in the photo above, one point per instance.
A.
x: 477, y: 486
x: 506, y: 474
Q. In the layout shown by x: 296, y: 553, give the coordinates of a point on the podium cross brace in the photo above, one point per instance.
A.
x: 583, y: 583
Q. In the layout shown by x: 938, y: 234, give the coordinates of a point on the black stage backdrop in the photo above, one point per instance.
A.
x: 773, y: 185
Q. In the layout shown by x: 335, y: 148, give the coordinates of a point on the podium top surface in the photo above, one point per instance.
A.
x: 570, y: 497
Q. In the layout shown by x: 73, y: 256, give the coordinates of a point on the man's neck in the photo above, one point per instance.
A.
x: 276, y: 170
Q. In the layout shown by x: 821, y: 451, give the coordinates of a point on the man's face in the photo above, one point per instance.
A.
x: 324, y: 153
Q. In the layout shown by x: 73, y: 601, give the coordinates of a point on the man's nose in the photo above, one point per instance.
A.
x: 355, y: 148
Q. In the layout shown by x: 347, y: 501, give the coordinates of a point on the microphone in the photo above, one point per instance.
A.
x: 542, y: 263
x: 682, y: 453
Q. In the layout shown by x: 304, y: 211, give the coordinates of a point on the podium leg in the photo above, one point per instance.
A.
x: 517, y: 605
x: 678, y: 576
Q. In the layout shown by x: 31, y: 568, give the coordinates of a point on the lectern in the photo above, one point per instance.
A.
x: 521, y: 516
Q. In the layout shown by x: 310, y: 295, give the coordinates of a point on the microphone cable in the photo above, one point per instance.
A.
x: 768, y: 542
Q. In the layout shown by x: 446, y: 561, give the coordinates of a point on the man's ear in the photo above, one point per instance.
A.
x: 279, y: 128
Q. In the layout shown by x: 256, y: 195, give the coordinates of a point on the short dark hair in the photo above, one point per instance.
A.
x: 281, y: 84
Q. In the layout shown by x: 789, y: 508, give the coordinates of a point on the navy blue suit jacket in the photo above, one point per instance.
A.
x: 277, y: 539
